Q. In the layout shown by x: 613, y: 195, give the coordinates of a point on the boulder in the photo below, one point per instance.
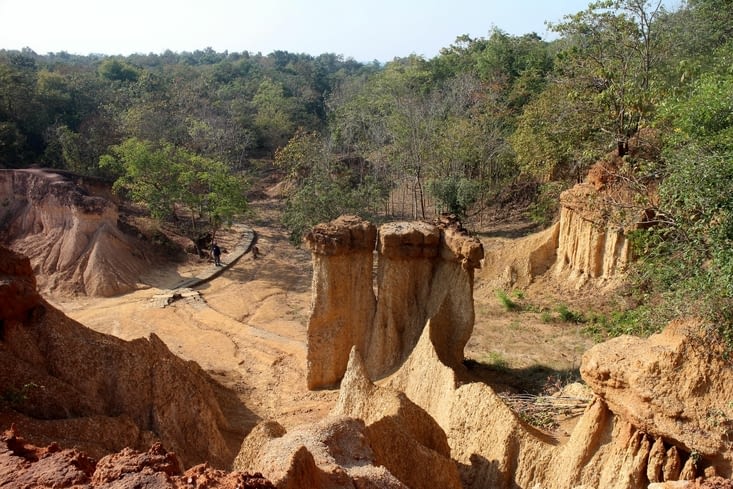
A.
x: 332, y: 453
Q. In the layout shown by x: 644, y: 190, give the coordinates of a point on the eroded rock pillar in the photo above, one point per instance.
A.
x: 425, y: 274
x: 343, y: 300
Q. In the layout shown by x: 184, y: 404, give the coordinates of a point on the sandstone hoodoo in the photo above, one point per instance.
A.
x: 647, y: 424
x: 71, y: 236
x: 424, y: 273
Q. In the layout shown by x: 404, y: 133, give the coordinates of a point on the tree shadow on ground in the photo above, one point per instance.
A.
x: 536, y: 379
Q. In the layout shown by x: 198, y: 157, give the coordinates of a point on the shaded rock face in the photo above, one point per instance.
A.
x: 424, y: 273
x: 671, y: 386
x: 19, y: 298
x: 71, y: 237
x: 64, y: 382
x: 25, y: 465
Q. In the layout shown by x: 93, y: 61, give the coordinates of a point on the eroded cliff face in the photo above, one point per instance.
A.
x: 461, y: 434
x: 674, y: 386
x: 589, y: 247
x: 71, y: 237
x: 661, y: 413
x: 64, y: 382
x: 424, y: 272
x: 608, y: 448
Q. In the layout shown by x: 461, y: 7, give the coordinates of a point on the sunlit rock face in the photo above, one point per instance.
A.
x: 588, y: 246
x: 71, y: 236
x: 424, y: 273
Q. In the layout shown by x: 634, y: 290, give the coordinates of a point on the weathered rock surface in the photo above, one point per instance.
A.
x: 402, y: 435
x: 425, y: 272
x: 671, y: 386
x: 374, y: 437
x: 517, y: 262
x: 23, y: 465
x: 588, y: 247
x: 71, y: 237
x: 342, y: 315
x: 494, y: 448
x: 65, y: 383
x: 663, y: 406
x: 332, y: 453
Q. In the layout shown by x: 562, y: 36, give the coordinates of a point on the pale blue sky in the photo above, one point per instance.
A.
x: 361, y: 29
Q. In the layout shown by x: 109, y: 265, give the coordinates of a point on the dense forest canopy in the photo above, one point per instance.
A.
x: 416, y: 136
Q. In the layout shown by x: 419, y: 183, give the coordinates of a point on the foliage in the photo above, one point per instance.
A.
x: 496, y: 360
x: 322, y: 187
x: 220, y: 105
x: 507, y: 303
x: 18, y: 396
x: 546, y: 207
x: 166, y: 178
x: 611, y: 52
x: 686, y: 261
x: 568, y: 315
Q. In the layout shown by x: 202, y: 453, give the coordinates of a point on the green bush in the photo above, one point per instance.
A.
x: 569, y: 316
x: 506, y: 301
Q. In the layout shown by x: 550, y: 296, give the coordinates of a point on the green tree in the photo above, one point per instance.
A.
x: 612, y: 50
x: 322, y: 187
x: 685, y: 258
x: 168, y: 179
x: 273, y: 119
x: 117, y: 70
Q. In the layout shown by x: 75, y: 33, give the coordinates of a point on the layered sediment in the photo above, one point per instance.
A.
x: 424, y: 272
x: 71, y: 237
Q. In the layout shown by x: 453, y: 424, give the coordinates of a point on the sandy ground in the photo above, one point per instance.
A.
x: 248, y: 330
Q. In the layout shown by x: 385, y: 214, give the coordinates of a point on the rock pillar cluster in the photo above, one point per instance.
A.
x: 424, y: 273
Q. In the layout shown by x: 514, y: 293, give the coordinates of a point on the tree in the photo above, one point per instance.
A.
x: 167, y: 179
x: 685, y: 258
x: 612, y: 49
x: 118, y: 71
x: 272, y: 121
x: 322, y: 187
x: 557, y: 136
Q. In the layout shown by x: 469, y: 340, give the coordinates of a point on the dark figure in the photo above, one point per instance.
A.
x: 216, y: 253
x: 255, y: 252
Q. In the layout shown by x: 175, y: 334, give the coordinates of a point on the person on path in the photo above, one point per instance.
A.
x: 216, y: 253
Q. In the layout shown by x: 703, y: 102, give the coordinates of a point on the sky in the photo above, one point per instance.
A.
x: 364, y: 30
